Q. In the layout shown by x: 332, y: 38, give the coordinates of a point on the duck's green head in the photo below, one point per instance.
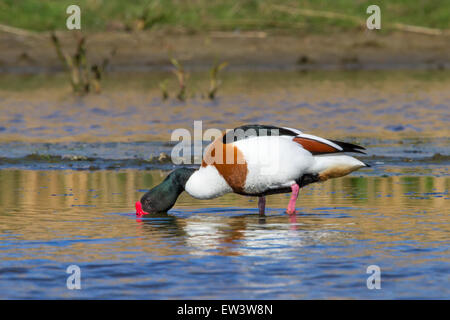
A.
x: 161, y: 198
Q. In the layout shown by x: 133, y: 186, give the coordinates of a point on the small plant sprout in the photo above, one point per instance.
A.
x: 182, y: 77
x: 83, y: 76
x: 163, y: 87
x: 215, y: 83
x: 98, y: 71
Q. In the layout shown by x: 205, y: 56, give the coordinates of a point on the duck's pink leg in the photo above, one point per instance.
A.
x: 262, y: 206
x: 291, y: 206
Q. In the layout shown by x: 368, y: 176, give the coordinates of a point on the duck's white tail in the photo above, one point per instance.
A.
x: 336, y: 165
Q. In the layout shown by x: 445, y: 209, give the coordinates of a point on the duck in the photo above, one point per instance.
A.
x: 256, y: 160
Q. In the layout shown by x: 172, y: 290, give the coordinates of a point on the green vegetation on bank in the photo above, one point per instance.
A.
x: 204, y: 15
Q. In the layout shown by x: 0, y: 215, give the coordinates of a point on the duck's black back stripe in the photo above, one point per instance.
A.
x: 255, y: 130
x: 258, y: 130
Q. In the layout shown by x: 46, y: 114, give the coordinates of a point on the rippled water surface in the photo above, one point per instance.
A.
x: 221, y: 248
x: 71, y: 170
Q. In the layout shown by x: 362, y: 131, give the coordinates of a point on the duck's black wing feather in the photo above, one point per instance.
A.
x: 349, y: 147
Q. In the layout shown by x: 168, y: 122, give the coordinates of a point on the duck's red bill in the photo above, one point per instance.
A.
x: 139, y: 211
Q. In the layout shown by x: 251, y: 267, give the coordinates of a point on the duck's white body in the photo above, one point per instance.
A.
x: 270, y: 163
x: 207, y: 183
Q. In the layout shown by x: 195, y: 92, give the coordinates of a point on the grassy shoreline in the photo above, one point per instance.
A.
x: 207, y: 15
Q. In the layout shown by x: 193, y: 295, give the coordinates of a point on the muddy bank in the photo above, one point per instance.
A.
x: 341, y: 105
x: 249, y: 50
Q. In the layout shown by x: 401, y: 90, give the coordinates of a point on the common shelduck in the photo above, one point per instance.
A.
x: 256, y: 160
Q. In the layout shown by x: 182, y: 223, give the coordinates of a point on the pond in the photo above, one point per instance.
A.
x: 72, y: 168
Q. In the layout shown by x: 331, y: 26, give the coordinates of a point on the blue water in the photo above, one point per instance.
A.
x: 222, y: 249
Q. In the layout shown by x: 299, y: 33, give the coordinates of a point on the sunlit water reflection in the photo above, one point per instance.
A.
x: 221, y: 248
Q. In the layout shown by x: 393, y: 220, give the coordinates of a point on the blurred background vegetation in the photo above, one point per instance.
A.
x: 203, y: 15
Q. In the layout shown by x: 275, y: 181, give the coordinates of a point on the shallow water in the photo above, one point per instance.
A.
x: 221, y: 248
x: 57, y: 210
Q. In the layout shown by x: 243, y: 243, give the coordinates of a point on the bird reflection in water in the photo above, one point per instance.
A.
x: 231, y: 235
